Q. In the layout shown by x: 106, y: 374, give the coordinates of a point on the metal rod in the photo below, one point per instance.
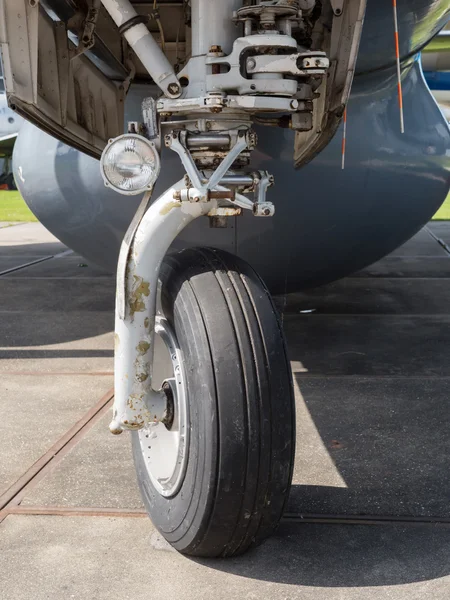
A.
x: 145, y: 46
x: 222, y: 195
x: 344, y: 138
x: 198, y: 141
x: 246, y: 180
x: 212, y: 25
x: 399, y: 73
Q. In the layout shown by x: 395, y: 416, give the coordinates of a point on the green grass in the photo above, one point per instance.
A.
x: 13, y: 207
x: 443, y: 214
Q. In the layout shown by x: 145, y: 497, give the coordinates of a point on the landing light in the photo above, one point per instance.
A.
x: 130, y: 164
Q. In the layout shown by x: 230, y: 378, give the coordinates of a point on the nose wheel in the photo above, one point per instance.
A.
x: 215, y: 477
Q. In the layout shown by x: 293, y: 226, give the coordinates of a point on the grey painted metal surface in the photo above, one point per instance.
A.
x: 328, y: 222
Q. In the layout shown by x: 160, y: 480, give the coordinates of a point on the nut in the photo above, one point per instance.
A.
x: 173, y: 88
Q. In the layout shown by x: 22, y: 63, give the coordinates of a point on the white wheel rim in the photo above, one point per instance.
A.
x: 165, y: 451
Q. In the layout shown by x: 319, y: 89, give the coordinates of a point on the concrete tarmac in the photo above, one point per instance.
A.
x: 369, y: 511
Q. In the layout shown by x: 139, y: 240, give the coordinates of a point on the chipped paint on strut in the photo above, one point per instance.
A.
x: 168, y: 207
x: 139, y: 291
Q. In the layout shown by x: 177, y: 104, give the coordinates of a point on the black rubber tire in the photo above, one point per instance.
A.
x: 241, y: 403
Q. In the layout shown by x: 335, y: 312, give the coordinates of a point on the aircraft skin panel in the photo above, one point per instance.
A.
x: 419, y: 21
x: 328, y: 222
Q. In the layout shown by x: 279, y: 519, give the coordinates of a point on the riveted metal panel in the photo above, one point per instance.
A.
x: 63, y: 94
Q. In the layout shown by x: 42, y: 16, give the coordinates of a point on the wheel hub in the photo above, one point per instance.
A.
x: 165, y: 446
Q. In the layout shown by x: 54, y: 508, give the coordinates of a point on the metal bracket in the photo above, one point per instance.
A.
x: 86, y: 41
x: 337, y: 6
x: 298, y: 64
x: 233, y: 79
x: 203, y: 189
x: 217, y: 103
x: 172, y: 141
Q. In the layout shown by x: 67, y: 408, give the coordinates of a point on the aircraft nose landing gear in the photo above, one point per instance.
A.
x: 209, y: 400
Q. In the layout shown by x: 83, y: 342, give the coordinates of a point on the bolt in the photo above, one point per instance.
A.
x: 173, y: 89
x: 251, y: 63
x: 294, y: 104
x: 215, y: 49
x: 177, y: 195
x: 317, y: 63
x: 196, y: 199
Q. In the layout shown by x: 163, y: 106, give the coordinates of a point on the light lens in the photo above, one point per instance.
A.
x: 130, y: 164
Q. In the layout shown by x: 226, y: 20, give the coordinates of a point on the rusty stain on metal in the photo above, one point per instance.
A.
x: 116, y: 431
x: 168, y: 207
x: 139, y: 291
x: 147, y: 323
x: 143, y: 347
x: 223, y: 195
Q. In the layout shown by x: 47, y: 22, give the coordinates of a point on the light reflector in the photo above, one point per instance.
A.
x: 130, y: 164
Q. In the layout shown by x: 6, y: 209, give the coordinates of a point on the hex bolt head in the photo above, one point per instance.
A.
x: 251, y: 63
x: 173, y: 88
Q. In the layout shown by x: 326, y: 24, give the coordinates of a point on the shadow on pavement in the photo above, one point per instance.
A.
x: 345, y: 556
